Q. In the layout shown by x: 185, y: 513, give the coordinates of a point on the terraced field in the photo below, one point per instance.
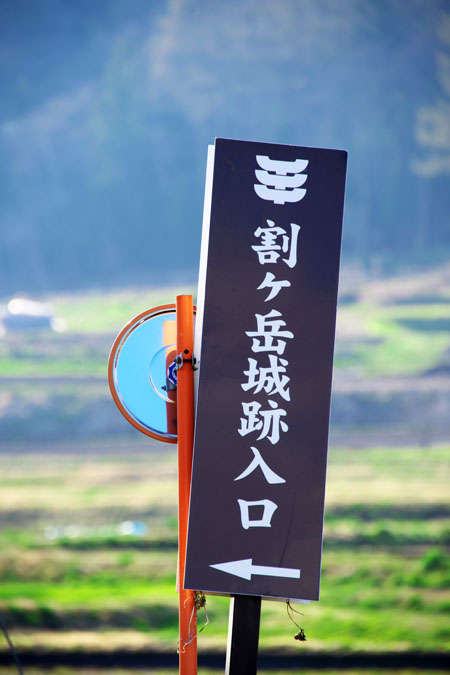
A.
x: 88, y: 507
x: 88, y: 554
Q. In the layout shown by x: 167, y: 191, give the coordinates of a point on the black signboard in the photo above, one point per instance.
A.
x: 268, y: 312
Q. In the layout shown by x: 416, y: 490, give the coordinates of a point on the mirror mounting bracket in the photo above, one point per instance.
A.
x: 180, y: 359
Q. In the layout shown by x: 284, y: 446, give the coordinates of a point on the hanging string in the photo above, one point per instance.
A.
x: 199, y: 603
x: 290, y: 610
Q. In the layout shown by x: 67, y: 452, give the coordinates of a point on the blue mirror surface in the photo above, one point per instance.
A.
x: 143, y: 374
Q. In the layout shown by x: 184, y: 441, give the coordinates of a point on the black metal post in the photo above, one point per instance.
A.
x: 243, y: 635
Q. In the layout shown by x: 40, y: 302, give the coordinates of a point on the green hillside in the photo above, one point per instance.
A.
x: 108, y: 108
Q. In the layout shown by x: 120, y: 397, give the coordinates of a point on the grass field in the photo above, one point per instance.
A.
x: 75, y: 577
x: 88, y: 530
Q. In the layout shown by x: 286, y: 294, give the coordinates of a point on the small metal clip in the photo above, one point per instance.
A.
x: 181, y: 358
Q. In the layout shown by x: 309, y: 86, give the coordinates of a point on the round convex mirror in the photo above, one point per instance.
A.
x: 141, y: 372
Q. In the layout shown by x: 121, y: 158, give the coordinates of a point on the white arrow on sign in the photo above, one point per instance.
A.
x: 245, y: 569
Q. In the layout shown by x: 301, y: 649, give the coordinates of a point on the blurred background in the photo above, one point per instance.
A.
x: 106, y: 111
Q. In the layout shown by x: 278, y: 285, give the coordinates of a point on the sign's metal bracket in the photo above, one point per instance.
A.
x: 181, y: 358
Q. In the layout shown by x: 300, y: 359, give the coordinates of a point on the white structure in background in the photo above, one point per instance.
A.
x: 24, y: 314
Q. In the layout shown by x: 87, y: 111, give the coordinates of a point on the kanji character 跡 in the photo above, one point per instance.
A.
x: 268, y: 421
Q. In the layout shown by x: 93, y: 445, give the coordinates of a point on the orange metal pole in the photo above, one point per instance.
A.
x: 185, y: 424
